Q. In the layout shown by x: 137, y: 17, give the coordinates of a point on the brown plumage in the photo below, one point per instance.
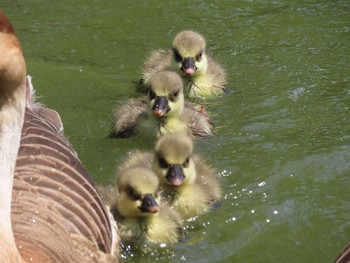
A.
x: 56, y: 195
x: 344, y: 256
x: 202, y: 76
x: 162, y: 111
x: 12, y: 104
x: 56, y: 213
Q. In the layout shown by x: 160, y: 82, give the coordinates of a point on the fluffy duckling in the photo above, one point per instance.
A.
x: 137, y: 209
x: 163, y: 111
x: 188, y: 183
x: 203, y: 77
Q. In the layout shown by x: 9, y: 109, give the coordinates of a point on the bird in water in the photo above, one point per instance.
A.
x: 134, y: 200
x: 203, y: 77
x: 50, y: 210
x: 164, y: 110
x: 187, y: 182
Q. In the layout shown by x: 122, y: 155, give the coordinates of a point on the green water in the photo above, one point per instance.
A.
x: 282, y: 136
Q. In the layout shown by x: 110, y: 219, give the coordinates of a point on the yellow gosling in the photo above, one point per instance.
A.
x: 140, y: 216
x: 188, y: 184
x: 202, y: 76
x: 163, y: 111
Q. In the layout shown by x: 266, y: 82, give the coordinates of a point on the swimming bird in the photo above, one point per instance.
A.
x: 50, y: 210
x: 12, y: 107
x: 163, y: 111
x: 202, y: 75
x: 188, y: 183
x: 136, y: 206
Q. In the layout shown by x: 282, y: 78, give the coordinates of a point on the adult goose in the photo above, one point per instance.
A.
x: 50, y: 210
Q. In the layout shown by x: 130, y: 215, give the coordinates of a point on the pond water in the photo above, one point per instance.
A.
x: 282, y: 135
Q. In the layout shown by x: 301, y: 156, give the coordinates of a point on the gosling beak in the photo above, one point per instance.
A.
x: 149, y: 204
x: 188, y: 66
x: 161, y: 106
x: 175, y: 175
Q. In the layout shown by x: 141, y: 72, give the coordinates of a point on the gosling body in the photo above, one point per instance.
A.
x: 188, y: 183
x: 164, y: 110
x: 202, y: 75
x: 141, y: 218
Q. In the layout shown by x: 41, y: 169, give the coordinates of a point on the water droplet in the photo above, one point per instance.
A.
x: 262, y: 183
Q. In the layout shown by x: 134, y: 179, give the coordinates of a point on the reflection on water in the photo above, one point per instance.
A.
x: 281, y: 144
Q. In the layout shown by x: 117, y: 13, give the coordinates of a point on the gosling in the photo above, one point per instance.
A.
x: 163, y: 111
x: 188, y: 184
x: 137, y: 209
x: 203, y: 77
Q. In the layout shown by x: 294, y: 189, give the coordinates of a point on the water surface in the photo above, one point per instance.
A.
x: 282, y: 135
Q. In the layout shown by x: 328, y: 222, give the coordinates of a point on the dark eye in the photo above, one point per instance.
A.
x: 132, y: 194
x: 177, y: 56
x: 151, y: 94
x: 162, y: 162
x: 186, y: 162
x: 199, y: 56
x: 173, y: 96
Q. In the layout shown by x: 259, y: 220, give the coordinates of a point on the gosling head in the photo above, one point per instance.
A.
x: 173, y: 160
x: 189, y: 56
x: 138, y: 193
x: 165, y: 94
